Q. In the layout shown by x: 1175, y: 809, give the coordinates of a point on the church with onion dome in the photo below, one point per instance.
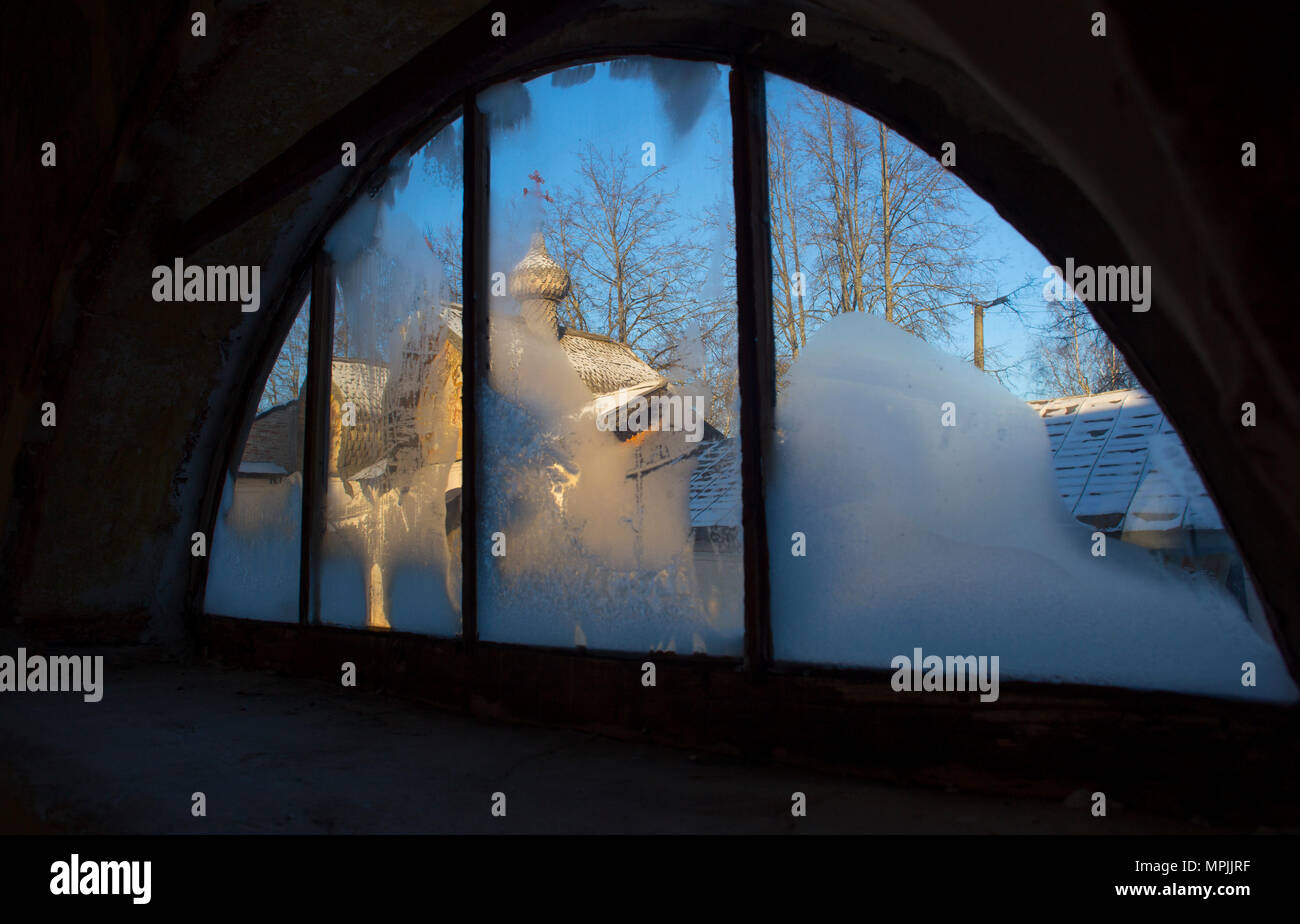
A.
x: 395, y: 442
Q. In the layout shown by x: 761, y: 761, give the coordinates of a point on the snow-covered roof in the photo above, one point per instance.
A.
x: 272, y: 446
x: 452, y: 313
x: 715, y: 484
x: 604, y: 364
x: 1121, y: 467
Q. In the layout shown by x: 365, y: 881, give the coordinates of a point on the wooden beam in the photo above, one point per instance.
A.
x: 755, y: 356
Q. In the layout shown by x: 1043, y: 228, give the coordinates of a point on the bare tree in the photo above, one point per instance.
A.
x: 290, y: 369
x: 566, y: 245
x: 926, y: 262
x: 1074, y: 355
x: 834, y: 143
x: 873, y: 223
x: 709, y: 328
x: 631, y: 262
x: 445, y: 243
x: 791, y: 299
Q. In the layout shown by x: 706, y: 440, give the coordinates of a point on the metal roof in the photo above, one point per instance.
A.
x: 1120, y: 465
x: 715, y: 484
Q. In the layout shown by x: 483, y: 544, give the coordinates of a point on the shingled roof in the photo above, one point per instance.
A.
x: 363, y: 384
x: 603, y: 364
x: 1121, y: 467
x: 273, y: 446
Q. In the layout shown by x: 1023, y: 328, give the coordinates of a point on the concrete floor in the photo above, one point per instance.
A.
x: 284, y: 755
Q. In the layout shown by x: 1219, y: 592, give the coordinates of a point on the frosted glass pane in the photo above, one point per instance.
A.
x: 963, y: 465
x: 610, y: 516
x: 390, y: 557
x: 255, y: 555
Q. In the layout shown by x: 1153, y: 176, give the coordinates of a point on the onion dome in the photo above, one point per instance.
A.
x: 538, y: 283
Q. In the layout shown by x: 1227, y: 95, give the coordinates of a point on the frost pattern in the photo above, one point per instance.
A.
x: 255, y: 551
x: 593, y: 556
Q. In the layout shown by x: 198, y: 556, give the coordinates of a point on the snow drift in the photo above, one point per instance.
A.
x: 952, y: 538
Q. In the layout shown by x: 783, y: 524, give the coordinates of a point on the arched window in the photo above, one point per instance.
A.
x: 940, y: 394
x: 257, y: 543
x: 648, y: 355
x: 390, y: 555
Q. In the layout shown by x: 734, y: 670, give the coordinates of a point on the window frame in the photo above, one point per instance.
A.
x: 775, y: 699
x: 747, y: 106
x: 755, y: 366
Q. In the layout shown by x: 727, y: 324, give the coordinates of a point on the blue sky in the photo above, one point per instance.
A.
x: 681, y: 107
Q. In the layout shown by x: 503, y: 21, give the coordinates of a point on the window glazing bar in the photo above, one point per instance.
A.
x: 474, y: 317
x: 756, y: 361
x: 315, y: 444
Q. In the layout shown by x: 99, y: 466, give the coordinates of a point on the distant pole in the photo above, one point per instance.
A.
x: 977, y: 309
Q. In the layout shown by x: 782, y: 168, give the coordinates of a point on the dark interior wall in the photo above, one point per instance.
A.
x: 73, y: 79
x: 1117, y: 150
x: 152, y: 123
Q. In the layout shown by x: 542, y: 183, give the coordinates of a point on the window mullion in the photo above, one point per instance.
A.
x: 316, y: 436
x: 474, y: 250
x: 755, y: 361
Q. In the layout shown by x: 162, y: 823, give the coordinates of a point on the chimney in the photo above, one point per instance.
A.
x: 538, y: 283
